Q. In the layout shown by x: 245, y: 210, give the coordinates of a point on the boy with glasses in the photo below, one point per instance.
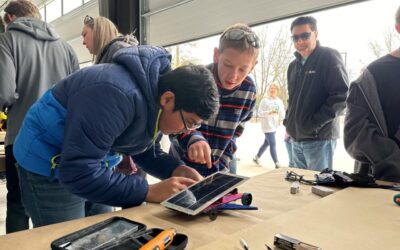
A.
x: 210, y: 147
x: 68, y: 137
x: 372, y: 124
x: 317, y: 86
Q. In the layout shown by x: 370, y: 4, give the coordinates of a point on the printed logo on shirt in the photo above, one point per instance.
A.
x: 309, y: 72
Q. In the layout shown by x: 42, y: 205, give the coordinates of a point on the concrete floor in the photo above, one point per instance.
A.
x: 248, y: 145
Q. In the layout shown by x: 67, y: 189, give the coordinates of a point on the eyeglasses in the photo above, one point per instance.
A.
x: 303, y: 36
x: 237, y: 35
x: 88, y: 20
x: 292, y: 176
x: 188, y: 126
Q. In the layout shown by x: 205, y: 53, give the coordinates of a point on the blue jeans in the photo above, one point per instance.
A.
x: 289, y: 148
x: 233, y: 165
x: 270, y: 141
x: 48, y: 202
x: 313, y: 155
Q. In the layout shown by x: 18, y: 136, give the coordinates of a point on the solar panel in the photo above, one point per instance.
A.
x: 197, y: 197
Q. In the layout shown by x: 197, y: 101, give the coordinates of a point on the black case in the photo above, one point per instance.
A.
x: 114, y: 233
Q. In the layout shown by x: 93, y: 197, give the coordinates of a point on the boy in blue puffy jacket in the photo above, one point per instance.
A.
x: 78, y: 129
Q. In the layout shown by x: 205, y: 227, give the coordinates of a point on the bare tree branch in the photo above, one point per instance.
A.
x: 274, y: 58
x: 390, y: 42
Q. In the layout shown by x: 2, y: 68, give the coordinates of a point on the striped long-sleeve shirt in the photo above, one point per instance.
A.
x: 222, y: 129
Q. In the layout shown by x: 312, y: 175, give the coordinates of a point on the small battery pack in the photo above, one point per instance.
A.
x: 321, y: 191
x: 295, y: 187
x: 288, y: 243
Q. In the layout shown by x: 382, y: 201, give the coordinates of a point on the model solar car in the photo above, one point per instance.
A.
x: 213, y: 194
x: 224, y: 203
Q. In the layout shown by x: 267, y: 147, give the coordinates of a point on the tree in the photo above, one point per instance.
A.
x: 181, y: 54
x: 273, y: 60
x: 390, y: 41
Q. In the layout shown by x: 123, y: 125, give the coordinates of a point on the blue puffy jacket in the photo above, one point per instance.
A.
x: 97, y: 110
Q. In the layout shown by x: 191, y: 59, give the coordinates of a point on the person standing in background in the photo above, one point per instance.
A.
x: 33, y: 58
x: 317, y: 87
x: 372, y: 123
x: 271, y: 111
x: 102, y: 39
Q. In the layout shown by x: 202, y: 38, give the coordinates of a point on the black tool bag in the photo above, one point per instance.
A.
x: 329, y: 177
x: 115, y: 233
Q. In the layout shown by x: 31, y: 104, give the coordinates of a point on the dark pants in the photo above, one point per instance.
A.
x: 16, y: 218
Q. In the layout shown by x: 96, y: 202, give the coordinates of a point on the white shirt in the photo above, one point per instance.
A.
x: 271, y: 112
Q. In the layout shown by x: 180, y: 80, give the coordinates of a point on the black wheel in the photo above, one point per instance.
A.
x: 234, y: 191
x: 247, y: 198
x: 213, y: 214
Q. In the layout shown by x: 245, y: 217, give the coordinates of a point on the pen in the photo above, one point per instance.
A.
x: 161, y: 241
x: 244, y: 244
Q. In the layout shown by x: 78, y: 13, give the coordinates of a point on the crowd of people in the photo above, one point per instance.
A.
x: 78, y: 142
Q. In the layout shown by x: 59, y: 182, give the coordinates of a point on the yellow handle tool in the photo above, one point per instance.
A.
x: 161, y: 241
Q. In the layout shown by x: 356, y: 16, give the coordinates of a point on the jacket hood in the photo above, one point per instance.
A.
x: 34, y: 27
x: 145, y: 64
x: 131, y: 39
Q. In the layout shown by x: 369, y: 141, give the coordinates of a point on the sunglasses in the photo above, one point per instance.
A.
x: 303, y: 36
x: 88, y: 20
x: 188, y: 126
x: 237, y: 35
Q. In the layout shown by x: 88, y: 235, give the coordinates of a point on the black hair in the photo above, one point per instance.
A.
x: 305, y: 20
x: 194, y: 88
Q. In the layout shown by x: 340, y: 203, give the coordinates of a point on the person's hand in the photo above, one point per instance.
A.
x: 200, y: 152
x: 188, y: 172
x: 163, y: 190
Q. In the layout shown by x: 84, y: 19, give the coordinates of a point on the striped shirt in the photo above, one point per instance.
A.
x: 222, y: 129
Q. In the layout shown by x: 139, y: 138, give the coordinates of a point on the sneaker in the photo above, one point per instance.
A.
x: 278, y: 165
x: 255, y: 159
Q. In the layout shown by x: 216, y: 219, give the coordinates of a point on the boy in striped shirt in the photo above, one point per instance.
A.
x: 210, y: 147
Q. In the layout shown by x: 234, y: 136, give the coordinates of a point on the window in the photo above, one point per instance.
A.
x: 69, y: 5
x: 53, y: 10
x: 41, y: 10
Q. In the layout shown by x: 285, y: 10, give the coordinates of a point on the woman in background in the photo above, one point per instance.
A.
x: 271, y: 111
x: 102, y: 39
